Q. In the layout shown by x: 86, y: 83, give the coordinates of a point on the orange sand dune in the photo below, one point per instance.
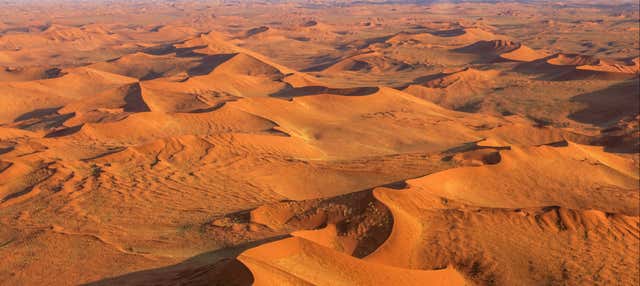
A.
x: 26, y: 96
x: 503, y: 49
x: 28, y: 74
x: 607, y: 176
x: 563, y: 67
x: 82, y: 39
x: 465, y: 75
x: 243, y: 64
x: 423, y: 211
x: 571, y: 60
x: 319, y: 143
x: 452, y: 37
x: 368, y: 62
x: 296, y: 260
x: 454, y: 90
x: 633, y: 67
x: 345, y: 116
x: 522, y: 54
x: 146, y: 66
x: 495, y: 46
x: 491, y: 236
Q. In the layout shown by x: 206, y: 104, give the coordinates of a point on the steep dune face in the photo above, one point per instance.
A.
x: 565, y: 67
x: 630, y: 67
x: 588, y: 63
x: 177, y: 146
x: 460, y: 77
x: 214, y: 43
x: 495, y: 46
x: 243, y: 64
x: 491, y: 236
x: 296, y: 261
x: 522, y: 54
x: 196, y: 82
x: 60, y: 44
x: 452, y: 38
x: 128, y: 97
x: 427, y: 209
x: 329, y: 121
x: 368, y: 62
x: 156, y: 125
x: 145, y: 66
x: 572, y: 60
x: 502, y: 50
x: 218, y: 80
x: 464, y: 35
x: 21, y: 98
x: 421, y: 215
x: 82, y: 39
x: 610, y: 105
x: 459, y: 90
x: 617, y: 176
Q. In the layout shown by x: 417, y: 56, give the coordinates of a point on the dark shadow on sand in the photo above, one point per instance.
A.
x: 219, y: 267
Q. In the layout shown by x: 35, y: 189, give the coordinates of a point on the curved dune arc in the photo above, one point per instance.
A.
x: 400, y: 248
x: 299, y: 261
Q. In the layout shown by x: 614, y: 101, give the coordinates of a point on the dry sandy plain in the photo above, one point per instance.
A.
x: 319, y: 143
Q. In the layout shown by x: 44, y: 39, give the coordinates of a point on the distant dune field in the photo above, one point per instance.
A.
x: 319, y: 143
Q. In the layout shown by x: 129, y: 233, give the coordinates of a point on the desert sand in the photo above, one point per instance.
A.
x: 319, y: 143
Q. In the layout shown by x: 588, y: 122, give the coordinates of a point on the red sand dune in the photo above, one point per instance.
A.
x: 319, y: 143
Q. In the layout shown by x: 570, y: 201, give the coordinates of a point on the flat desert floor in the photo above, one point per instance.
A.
x: 319, y: 142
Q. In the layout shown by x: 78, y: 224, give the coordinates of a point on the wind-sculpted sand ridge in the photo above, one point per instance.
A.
x: 415, y: 215
x: 503, y: 50
x: 425, y: 210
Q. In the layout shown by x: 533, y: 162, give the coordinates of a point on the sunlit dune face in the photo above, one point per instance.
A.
x: 319, y: 143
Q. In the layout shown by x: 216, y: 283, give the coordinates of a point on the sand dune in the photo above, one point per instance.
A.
x: 464, y: 76
x: 82, y: 39
x: 319, y: 143
x: 631, y: 67
x: 270, y: 265
x: 447, y: 37
x: 24, y: 97
x: 243, y: 64
x: 369, y: 62
x: 456, y: 90
x: 416, y: 211
x: 564, y: 67
x: 502, y: 50
x: 495, y: 46
x: 571, y: 60
x: 522, y: 54
x: 619, y: 177
x: 146, y: 66
x: 28, y: 74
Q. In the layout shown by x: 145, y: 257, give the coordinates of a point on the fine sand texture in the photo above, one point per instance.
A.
x: 319, y: 143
